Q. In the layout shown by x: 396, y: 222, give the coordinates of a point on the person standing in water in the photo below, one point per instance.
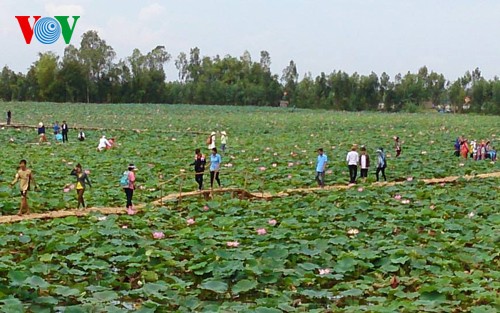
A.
x: 397, y: 146
x: 223, y: 141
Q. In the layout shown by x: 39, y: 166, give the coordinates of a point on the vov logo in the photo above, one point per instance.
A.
x: 47, y: 30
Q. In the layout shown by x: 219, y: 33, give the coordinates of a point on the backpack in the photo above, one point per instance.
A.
x: 124, y: 182
x: 209, y: 140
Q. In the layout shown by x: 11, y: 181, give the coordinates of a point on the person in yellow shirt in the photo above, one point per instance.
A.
x: 81, y: 179
x: 25, y: 178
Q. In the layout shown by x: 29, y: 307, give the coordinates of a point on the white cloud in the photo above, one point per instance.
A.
x: 64, y: 9
x: 151, y: 11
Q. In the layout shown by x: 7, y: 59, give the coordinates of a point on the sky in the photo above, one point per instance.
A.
x: 392, y: 36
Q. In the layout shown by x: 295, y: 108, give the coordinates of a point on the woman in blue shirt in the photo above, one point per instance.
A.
x: 215, y: 161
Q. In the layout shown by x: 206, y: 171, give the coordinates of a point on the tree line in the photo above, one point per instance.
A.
x: 90, y: 74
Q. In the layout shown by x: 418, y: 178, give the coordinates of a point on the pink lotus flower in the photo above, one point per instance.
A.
x: 262, y: 168
x: 409, y: 179
x: 158, y: 235
x: 87, y: 172
x: 289, y: 176
x: 206, y: 208
x: 360, y: 189
x: 72, y: 186
x: 274, y: 164
x: 190, y: 221
x: 261, y: 231
x: 397, y: 197
x: 290, y: 164
x: 66, y: 189
x: 442, y: 184
x: 272, y: 222
x: 324, y: 271
x: 232, y: 244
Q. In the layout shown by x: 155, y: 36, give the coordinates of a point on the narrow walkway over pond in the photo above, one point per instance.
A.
x: 236, y: 192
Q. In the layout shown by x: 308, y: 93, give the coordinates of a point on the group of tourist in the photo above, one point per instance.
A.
x: 60, y: 132
x: 353, y: 160
x: 26, y: 179
x: 476, y: 150
x: 200, y: 161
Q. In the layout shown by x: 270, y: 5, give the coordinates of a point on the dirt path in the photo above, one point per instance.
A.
x: 237, y: 192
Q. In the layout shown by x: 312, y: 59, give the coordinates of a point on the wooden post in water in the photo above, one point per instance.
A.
x: 180, y: 190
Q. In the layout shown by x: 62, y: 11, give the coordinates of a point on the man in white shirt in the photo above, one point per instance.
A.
x: 352, y: 162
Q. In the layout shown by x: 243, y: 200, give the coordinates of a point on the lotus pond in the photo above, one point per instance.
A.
x: 405, y: 248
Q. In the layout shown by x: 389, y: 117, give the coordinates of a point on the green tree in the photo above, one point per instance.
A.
x: 96, y: 57
x: 46, y: 69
